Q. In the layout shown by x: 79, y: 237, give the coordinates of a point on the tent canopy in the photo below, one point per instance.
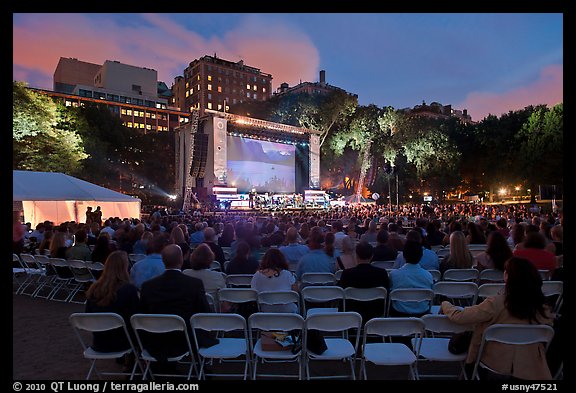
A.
x: 58, y: 198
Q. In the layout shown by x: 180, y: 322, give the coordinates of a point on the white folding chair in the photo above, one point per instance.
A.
x: 338, y: 348
x: 460, y: 293
x: 239, y: 280
x: 410, y: 295
x: 45, y: 282
x: 228, y: 347
x: 461, y: 275
x: 486, y: 290
x: 383, y: 264
x: 82, y: 277
x: 491, y: 276
x: 133, y: 258
x: 268, y: 301
x: 212, y: 303
x: 64, y: 280
x: 513, y: 334
x: 19, y: 276
x: 442, y: 252
x: 391, y: 353
x: 95, y: 268
x: 163, y: 324
x: 329, y: 298
x: 544, y: 274
x: 436, y: 275
x: 215, y: 265
x: 103, y: 322
x: 434, y: 347
x: 338, y: 274
x: 34, y: 274
x: 234, y: 297
x: 318, y: 279
x: 277, y: 322
x: 554, y: 288
x: 366, y: 295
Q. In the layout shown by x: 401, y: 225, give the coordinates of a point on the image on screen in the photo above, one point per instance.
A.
x: 261, y: 165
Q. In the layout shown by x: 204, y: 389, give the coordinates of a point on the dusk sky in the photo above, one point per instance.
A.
x: 486, y: 63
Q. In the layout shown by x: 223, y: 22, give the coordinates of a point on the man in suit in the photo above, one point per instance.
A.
x: 173, y: 292
x: 364, y: 275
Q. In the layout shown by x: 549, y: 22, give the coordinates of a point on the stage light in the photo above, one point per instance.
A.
x: 171, y: 197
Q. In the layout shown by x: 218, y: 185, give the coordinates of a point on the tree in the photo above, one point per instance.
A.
x: 39, y: 143
x: 540, y: 140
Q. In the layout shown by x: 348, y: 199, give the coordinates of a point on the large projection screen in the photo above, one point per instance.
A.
x: 261, y: 165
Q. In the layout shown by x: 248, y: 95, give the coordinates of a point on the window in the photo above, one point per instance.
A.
x: 234, y: 100
x: 263, y: 90
x: 209, y: 105
x: 141, y: 125
x: 209, y: 87
x: 129, y: 124
x: 129, y: 112
x: 187, y: 93
x: 219, y: 107
x: 254, y: 96
x: 248, y: 94
x: 123, y: 111
x: 191, y: 91
x: 219, y: 89
x: 227, y: 108
x: 198, y: 87
x: 68, y: 103
x: 148, y: 114
x: 247, y: 87
x: 141, y: 114
x: 198, y: 77
x: 209, y: 96
x: 210, y: 77
x: 165, y: 128
x: 137, y: 88
x: 153, y: 115
x: 148, y: 127
x: 187, y: 84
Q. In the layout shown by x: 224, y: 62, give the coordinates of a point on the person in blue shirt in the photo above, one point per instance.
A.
x: 411, y: 275
x: 152, y: 265
x: 316, y: 261
x: 293, y: 251
x: 429, y: 260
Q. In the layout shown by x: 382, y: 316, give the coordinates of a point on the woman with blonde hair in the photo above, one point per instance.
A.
x: 113, y: 292
x: 347, y: 258
x: 460, y: 256
x: 177, y: 237
x: 58, y: 245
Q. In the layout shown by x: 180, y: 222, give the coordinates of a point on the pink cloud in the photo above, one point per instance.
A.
x: 39, y: 40
x: 547, y: 89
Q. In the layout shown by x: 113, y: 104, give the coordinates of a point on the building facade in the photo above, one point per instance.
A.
x: 214, y: 83
x: 438, y: 111
x: 320, y: 87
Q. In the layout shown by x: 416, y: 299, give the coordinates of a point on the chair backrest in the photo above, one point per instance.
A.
x: 215, y: 265
x: 29, y: 261
x: 136, y: 257
x: 318, y: 279
x: 490, y: 289
x: 383, y: 264
x: 438, y: 323
x: 158, y: 323
x: 96, y: 322
x: 338, y: 274
x: 493, y: 275
x: 239, y: 280
x: 275, y: 321
x: 224, y: 322
x: 456, y: 290
x: 334, y: 321
x: 80, y: 270
x: 481, y: 247
x: 403, y: 326
x: 63, y: 270
x: 279, y: 297
x: 237, y: 295
x: 436, y: 275
x: 545, y: 274
x: 43, y: 260
x: 212, y: 302
x: 461, y: 275
x: 551, y: 288
x: 410, y: 295
x: 365, y: 294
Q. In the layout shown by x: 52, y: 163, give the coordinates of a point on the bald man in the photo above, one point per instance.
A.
x: 173, y: 292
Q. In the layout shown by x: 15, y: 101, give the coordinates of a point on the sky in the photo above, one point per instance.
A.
x: 487, y: 63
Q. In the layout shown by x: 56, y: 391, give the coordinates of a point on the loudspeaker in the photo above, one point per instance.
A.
x: 199, y: 156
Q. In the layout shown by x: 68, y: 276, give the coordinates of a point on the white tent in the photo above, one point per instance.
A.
x: 58, y: 198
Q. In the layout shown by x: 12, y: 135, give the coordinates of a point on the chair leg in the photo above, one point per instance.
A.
x: 352, y: 364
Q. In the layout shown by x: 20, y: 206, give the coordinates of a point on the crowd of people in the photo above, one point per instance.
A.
x: 278, y: 248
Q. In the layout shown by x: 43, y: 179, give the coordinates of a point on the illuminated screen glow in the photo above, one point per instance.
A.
x: 262, y: 165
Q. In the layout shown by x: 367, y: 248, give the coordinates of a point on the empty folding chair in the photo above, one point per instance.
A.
x: 434, y: 346
x: 95, y: 268
x: 228, y: 347
x: 46, y: 280
x: 410, y: 295
x: 82, y: 277
x: 19, y: 276
x: 99, y: 323
x: 383, y: 264
x: 339, y: 347
x: 279, y: 301
x: 459, y: 293
x: 163, y: 324
x: 461, y: 275
x: 368, y: 302
x: 239, y: 280
x: 63, y: 280
x: 325, y: 298
x: 34, y: 274
x: 392, y: 353
x: 513, y: 334
x: 318, y: 279
x: 291, y: 324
